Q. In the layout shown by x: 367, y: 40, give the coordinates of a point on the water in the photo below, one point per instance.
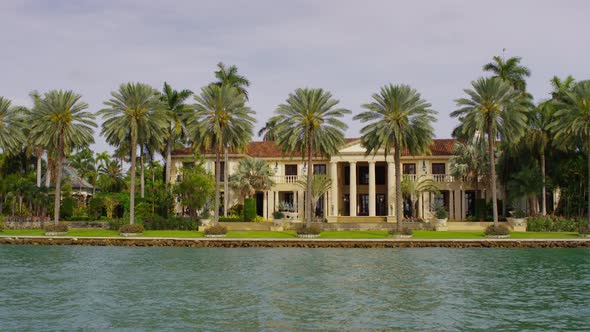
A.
x: 104, y: 288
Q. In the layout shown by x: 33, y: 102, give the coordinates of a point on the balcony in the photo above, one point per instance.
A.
x: 279, y: 179
x: 440, y: 178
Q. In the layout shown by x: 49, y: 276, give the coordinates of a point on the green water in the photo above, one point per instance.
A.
x: 106, y: 288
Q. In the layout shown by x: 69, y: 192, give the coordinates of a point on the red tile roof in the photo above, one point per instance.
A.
x: 261, y: 149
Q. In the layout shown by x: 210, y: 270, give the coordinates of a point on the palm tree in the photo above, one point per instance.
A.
x: 572, y: 122
x: 320, y: 184
x: 268, y: 132
x: 469, y: 161
x: 178, y: 111
x: 495, y: 108
x: 133, y: 114
x: 309, y: 123
x: 221, y: 120
x: 253, y: 175
x: 60, y: 121
x: 509, y: 70
x: 399, y: 120
x: 561, y: 87
x: 11, y: 128
x: 414, y: 188
x: 111, y: 176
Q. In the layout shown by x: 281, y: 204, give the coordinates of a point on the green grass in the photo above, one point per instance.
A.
x: 544, y: 235
x: 22, y: 232
x: 91, y: 232
x: 186, y: 234
x: 448, y: 235
x: 354, y: 235
x: 260, y: 234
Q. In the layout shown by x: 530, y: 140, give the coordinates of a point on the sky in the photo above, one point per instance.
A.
x: 350, y: 48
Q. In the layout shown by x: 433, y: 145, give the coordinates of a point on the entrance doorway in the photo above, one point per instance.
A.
x: 259, y: 204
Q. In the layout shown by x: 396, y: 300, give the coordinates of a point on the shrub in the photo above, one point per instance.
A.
x: 155, y: 222
x: 237, y: 210
x: 259, y: 219
x: 585, y: 229
x: 497, y: 230
x: 311, y: 230
x: 278, y: 215
x: 67, y: 208
x: 61, y: 227
x: 249, y: 209
x: 115, y: 224
x: 231, y: 219
x: 442, y: 213
x: 216, y: 230
x: 404, y: 231
x: 551, y: 224
x: 519, y: 214
x: 131, y: 228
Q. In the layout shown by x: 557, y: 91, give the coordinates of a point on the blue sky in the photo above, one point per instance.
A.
x: 350, y: 48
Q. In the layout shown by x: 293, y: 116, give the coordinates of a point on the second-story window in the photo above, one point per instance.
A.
x: 363, y: 176
x: 221, y: 171
x: 319, y: 169
x: 290, y: 169
x: 438, y: 168
x: 409, y: 168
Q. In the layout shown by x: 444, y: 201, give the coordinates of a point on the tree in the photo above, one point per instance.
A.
x: 60, y: 121
x: 178, y: 111
x: 110, y: 176
x: 495, y: 108
x: 11, y: 128
x: 253, y: 175
x: 469, y: 161
x: 221, y: 120
x: 309, y: 123
x: 509, y: 70
x: 195, y: 189
x: 527, y: 183
x: 561, y: 87
x: 399, y: 120
x: 320, y: 184
x: 133, y: 113
x: 268, y: 132
x: 412, y: 189
x: 572, y: 123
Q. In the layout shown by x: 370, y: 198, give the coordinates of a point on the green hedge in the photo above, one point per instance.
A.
x: 173, y: 223
x: 552, y: 224
x: 249, y: 209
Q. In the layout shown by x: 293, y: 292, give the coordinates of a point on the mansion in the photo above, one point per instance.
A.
x: 363, y: 186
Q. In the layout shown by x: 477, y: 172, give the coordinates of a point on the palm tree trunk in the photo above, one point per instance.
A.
x: 39, y: 153
x: 142, y: 175
x: 308, y: 198
x: 544, y: 191
x: 48, y: 172
x: 58, y: 171
x: 217, y: 178
x: 132, y: 180
x: 588, y: 180
x: 225, y: 183
x: 493, y: 172
x: 168, y: 162
x: 398, y: 186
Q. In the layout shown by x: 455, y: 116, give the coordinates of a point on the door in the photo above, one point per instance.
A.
x: 260, y: 204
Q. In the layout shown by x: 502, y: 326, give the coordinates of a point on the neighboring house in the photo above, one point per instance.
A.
x: 363, y: 187
x: 81, y: 189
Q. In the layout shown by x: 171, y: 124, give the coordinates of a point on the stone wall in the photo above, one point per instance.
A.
x: 38, y: 224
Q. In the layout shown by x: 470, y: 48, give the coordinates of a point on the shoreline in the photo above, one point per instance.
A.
x: 294, y: 243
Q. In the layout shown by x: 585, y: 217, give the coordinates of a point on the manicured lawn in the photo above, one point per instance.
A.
x: 448, y: 235
x: 260, y: 234
x: 354, y: 235
x: 92, y: 232
x: 544, y: 235
x: 187, y: 234
x: 22, y: 232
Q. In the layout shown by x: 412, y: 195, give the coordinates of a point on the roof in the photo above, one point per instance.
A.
x: 70, y: 173
x: 268, y: 149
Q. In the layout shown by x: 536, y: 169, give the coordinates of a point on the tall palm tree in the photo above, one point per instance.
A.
x: 309, y: 123
x: 509, y: 70
x: 320, y: 184
x: 178, y: 111
x: 253, y: 175
x: 399, y: 120
x: 572, y: 122
x: 133, y: 114
x: 495, y: 108
x: 268, y: 132
x: 60, y: 121
x: 414, y: 188
x: 561, y: 87
x: 111, y: 176
x: 11, y: 128
x: 469, y: 161
x: 221, y: 120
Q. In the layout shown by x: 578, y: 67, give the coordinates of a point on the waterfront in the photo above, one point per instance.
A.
x: 97, y: 288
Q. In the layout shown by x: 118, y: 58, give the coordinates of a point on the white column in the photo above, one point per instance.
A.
x: 372, y: 189
x: 333, y: 209
x: 353, y: 188
x: 390, y: 188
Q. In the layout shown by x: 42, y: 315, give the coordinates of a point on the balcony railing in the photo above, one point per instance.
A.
x: 434, y: 177
x: 278, y: 179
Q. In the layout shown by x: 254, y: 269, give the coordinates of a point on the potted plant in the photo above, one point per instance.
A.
x: 59, y: 229
x: 518, y: 218
x: 310, y: 232
x: 131, y: 230
x: 442, y: 216
x: 405, y: 233
x: 278, y: 217
x: 216, y: 231
x: 497, y: 232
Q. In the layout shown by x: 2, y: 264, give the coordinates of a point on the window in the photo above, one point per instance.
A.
x: 438, y: 168
x: 188, y: 164
x: 363, y: 205
x: 380, y: 175
x: 222, y: 171
x: 409, y: 168
x: 319, y: 169
x: 347, y: 175
x: 290, y: 169
x: 363, y: 176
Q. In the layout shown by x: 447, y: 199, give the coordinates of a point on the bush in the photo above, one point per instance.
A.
x: 116, y: 224
x: 442, y: 213
x: 278, y: 215
x: 311, y: 230
x: 67, y: 208
x: 156, y: 222
x: 231, y: 219
x: 249, y: 209
x: 552, y: 224
x: 61, y: 227
x: 585, y: 229
x: 236, y: 210
x: 497, y: 230
x: 79, y: 218
x: 519, y: 214
x: 131, y: 228
x: 404, y: 231
x: 216, y: 230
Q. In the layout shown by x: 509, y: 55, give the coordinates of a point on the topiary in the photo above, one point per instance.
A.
x: 249, y: 209
x: 131, y: 228
x: 216, y: 230
x: 311, y: 230
x: 497, y: 230
x: 61, y: 227
x: 67, y: 208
